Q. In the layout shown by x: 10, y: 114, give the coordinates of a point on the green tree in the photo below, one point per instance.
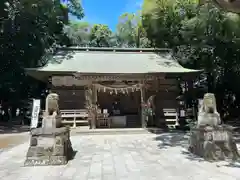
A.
x: 78, y: 33
x: 212, y: 43
x: 100, y: 36
x: 205, y: 37
x: 162, y: 20
x: 29, y: 30
x: 229, y: 5
x: 130, y: 32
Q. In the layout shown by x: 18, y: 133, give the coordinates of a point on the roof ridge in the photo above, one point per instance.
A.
x: 111, y: 49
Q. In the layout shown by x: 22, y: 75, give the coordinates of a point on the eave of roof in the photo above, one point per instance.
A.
x: 109, y: 61
x: 113, y: 49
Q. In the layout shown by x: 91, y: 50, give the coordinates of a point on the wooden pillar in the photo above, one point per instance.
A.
x: 143, y: 117
x: 94, y: 101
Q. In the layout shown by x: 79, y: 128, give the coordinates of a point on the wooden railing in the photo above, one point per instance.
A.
x: 74, y: 116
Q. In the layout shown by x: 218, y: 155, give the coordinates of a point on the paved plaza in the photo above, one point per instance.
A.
x: 121, y: 157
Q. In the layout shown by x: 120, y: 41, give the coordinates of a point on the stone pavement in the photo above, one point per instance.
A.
x: 121, y: 157
x: 10, y: 140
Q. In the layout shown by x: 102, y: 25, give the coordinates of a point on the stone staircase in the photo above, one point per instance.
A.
x: 109, y: 131
x: 133, y: 122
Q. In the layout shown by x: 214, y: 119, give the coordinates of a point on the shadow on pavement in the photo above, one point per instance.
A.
x: 180, y: 139
x: 172, y: 139
x: 177, y: 139
x: 11, y: 129
x: 233, y: 164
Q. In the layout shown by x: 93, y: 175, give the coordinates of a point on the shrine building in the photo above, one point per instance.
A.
x: 111, y: 87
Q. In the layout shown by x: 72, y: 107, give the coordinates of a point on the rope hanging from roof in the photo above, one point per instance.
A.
x: 125, y: 89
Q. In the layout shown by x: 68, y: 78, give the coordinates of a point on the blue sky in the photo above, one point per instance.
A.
x: 108, y: 11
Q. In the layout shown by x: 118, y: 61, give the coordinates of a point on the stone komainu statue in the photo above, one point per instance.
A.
x: 51, y: 106
x: 208, y: 114
x: 51, y: 144
x: 52, y: 112
x: 210, y: 139
x: 209, y: 103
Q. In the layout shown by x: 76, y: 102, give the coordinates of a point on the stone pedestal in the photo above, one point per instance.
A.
x: 51, y: 121
x: 213, y: 143
x: 49, y: 147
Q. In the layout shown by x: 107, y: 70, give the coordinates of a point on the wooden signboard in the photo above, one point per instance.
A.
x: 35, y: 113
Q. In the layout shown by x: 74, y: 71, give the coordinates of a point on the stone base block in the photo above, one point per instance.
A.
x: 51, y: 147
x: 46, y: 161
x: 213, y: 143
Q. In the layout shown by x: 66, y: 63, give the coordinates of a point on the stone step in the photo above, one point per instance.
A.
x: 87, y: 131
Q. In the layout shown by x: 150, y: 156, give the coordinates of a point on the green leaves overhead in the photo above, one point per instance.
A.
x: 201, y: 36
x: 100, y: 36
x: 162, y: 20
x: 74, y: 7
x: 130, y: 32
x: 78, y: 33
x: 29, y: 30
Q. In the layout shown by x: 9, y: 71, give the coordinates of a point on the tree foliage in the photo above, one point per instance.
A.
x: 130, y: 32
x: 202, y: 37
x: 28, y: 31
x: 100, y: 36
x: 78, y: 33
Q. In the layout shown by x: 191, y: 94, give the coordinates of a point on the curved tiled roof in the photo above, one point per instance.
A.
x: 111, y: 62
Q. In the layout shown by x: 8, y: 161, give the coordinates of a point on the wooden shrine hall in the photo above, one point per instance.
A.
x: 114, y: 87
